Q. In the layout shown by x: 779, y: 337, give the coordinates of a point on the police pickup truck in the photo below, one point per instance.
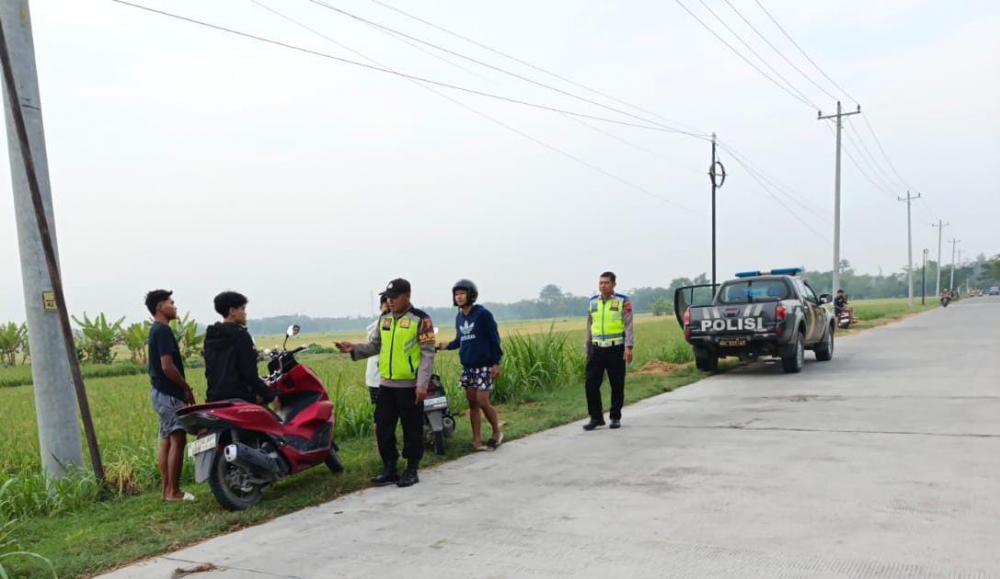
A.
x: 760, y: 313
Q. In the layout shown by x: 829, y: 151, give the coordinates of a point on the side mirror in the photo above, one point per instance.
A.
x: 292, y: 330
x: 825, y: 299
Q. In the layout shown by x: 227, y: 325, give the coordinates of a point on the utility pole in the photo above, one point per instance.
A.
x: 717, y: 175
x: 959, y: 262
x: 923, y: 280
x: 909, y: 242
x: 953, y: 243
x: 55, y: 370
x: 836, y: 188
x: 940, y: 225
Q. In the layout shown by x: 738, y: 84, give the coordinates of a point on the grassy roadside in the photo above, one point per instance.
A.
x: 108, y: 534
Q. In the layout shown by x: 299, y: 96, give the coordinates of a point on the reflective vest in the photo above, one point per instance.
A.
x: 607, y: 319
x: 400, y: 354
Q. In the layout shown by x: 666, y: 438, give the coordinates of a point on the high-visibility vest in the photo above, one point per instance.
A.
x: 400, y: 354
x: 607, y: 319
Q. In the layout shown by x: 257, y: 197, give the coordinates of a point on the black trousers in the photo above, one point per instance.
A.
x: 612, y: 361
x: 396, y: 405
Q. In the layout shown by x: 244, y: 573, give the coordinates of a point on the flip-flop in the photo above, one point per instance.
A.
x: 495, y: 444
x: 481, y: 447
x: 187, y: 497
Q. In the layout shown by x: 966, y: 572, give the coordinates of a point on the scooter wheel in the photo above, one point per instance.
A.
x: 229, y: 487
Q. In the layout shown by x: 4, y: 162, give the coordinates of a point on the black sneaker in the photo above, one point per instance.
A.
x: 408, y: 479
x: 616, y: 423
x: 386, y: 478
x: 593, y: 424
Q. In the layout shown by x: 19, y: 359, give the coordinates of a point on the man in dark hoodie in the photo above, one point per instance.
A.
x: 478, y: 345
x: 230, y: 356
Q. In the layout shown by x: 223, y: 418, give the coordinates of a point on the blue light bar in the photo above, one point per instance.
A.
x: 787, y: 271
x: 781, y: 271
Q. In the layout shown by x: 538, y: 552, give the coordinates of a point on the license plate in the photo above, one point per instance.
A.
x: 203, y: 444
x: 733, y: 343
x: 434, y: 402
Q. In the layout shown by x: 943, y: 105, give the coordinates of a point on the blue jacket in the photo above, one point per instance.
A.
x: 477, y: 338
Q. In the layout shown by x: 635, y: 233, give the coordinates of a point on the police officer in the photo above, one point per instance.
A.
x: 610, y: 339
x: 405, y: 345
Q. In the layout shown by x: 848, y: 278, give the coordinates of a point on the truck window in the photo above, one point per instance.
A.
x: 807, y: 293
x: 752, y: 291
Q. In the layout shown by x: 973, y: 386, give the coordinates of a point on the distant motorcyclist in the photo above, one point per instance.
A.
x: 840, y: 304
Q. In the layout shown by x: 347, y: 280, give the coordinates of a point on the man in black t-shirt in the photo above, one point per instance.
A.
x: 169, y: 392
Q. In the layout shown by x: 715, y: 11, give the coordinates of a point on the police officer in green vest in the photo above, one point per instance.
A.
x: 405, y: 345
x: 610, y: 339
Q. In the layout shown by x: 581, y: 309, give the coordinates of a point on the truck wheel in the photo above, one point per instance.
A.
x: 792, y: 364
x: 824, y: 350
x: 709, y: 363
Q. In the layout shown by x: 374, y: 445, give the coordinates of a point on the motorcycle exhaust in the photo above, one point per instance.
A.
x: 261, y: 464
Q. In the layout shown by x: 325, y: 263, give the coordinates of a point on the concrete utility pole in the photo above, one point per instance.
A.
x: 717, y: 175
x: 923, y: 280
x: 959, y: 262
x: 953, y: 242
x: 940, y: 225
x: 54, y: 367
x: 836, y: 187
x: 909, y: 242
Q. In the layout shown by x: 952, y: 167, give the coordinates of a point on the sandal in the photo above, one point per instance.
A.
x: 481, y: 447
x: 186, y: 497
x: 495, y: 444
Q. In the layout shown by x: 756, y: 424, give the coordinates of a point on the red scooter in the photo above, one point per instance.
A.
x: 242, y: 447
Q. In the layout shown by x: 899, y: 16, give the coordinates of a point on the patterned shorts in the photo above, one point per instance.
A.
x: 478, y: 378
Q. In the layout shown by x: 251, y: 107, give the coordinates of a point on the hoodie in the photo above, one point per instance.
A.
x: 477, y: 339
x: 231, y: 365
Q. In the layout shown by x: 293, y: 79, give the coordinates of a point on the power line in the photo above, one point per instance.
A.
x: 857, y: 166
x: 882, y: 149
x: 811, y: 61
x: 397, y: 73
x: 800, y: 199
x: 781, y: 54
x: 759, y: 57
x: 490, y: 118
x: 780, y: 202
x: 870, y: 162
x: 784, y: 189
x: 532, y: 66
x: 497, y: 68
x: 745, y: 59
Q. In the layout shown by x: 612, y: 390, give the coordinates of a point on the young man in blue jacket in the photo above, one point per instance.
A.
x: 478, y: 343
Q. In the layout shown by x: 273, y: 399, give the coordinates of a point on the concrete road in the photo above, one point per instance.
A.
x: 884, y: 462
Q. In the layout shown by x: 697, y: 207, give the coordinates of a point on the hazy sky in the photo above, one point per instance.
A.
x: 191, y: 159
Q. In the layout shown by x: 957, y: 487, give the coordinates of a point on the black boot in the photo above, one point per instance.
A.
x: 409, y: 478
x: 388, y: 476
x: 594, y: 423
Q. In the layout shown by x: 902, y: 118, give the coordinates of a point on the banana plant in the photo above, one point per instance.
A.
x: 13, y: 338
x: 100, y: 337
x: 188, y: 340
x: 136, y: 340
